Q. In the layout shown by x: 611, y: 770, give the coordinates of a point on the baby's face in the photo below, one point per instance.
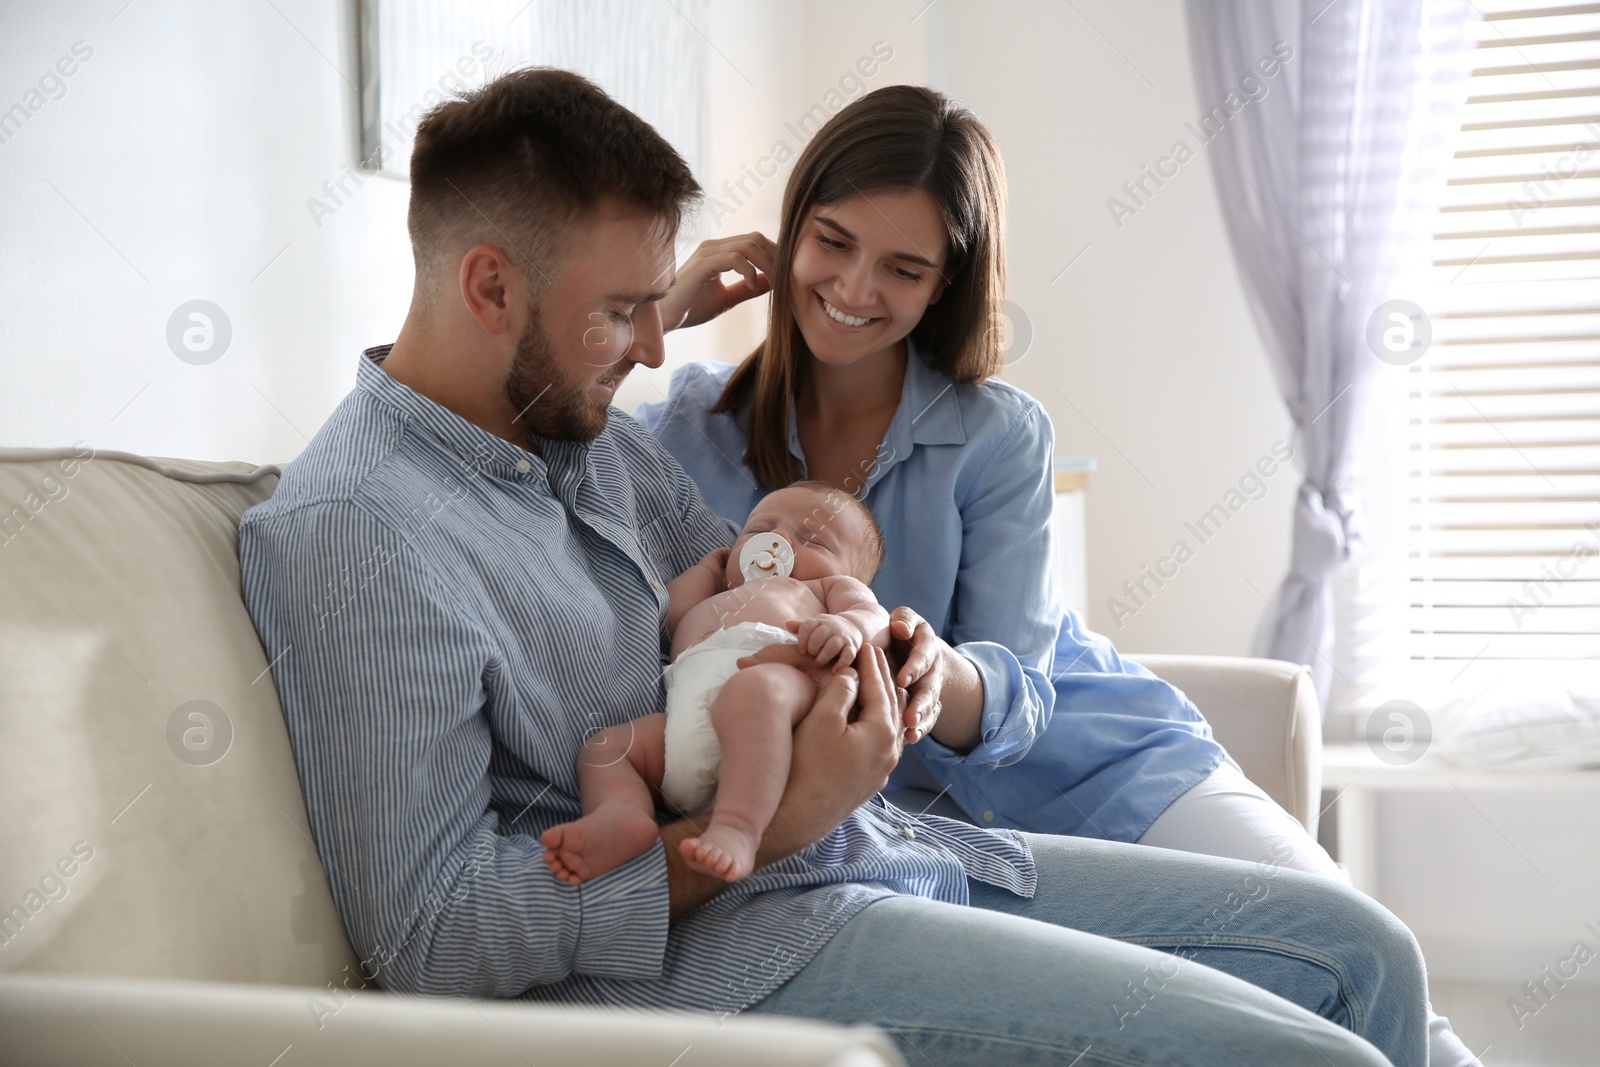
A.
x: 826, y: 533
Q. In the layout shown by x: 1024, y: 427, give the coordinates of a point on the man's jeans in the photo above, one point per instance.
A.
x: 984, y: 985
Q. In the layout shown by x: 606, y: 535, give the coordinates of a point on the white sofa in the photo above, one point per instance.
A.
x: 160, y: 897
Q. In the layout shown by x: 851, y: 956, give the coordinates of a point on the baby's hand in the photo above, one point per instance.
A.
x: 717, y: 562
x: 828, y: 638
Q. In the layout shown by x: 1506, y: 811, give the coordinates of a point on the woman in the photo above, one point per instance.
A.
x: 876, y: 375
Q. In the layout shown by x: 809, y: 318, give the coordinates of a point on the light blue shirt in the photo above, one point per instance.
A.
x: 1074, y: 738
x: 448, y: 615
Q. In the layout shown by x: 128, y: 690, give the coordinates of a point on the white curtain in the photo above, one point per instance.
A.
x: 1320, y: 181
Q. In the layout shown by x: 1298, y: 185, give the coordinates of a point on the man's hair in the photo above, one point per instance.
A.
x: 871, y: 550
x: 518, y: 161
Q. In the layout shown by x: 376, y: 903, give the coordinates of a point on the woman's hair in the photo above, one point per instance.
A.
x: 898, y: 138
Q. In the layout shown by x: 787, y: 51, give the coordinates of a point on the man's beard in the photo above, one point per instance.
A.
x: 547, y: 402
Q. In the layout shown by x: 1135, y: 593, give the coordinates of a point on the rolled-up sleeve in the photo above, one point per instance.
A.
x: 1017, y: 700
x: 1007, y: 611
x: 381, y: 673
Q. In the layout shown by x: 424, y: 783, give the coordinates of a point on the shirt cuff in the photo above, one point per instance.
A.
x: 624, y: 917
x: 1005, y: 729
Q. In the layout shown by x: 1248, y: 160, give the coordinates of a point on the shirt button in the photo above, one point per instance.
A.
x: 988, y: 816
x: 910, y: 832
x: 523, y: 466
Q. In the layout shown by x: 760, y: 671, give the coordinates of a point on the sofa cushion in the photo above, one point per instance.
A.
x: 155, y: 825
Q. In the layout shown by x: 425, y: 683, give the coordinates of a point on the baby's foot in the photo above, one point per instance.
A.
x: 723, y: 852
x: 601, y: 841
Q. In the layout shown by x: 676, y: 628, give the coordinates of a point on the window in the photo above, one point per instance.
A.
x: 1481, y: 461
x: 1502, y: 472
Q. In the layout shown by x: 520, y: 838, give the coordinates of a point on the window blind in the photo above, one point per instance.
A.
x: 1503, y: 411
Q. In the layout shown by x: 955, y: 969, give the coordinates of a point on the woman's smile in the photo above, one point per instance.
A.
x: 843, y: 320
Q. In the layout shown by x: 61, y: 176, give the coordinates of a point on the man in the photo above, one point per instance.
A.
x: 463, y: 576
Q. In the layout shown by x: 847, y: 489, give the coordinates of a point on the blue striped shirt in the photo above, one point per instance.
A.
x: 448, y: 615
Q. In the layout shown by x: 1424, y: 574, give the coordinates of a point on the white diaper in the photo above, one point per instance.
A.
x: 693, y: 756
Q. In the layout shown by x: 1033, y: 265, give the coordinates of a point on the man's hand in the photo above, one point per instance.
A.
x: 838, y: 764
x: 698, y: 294
x: 828, y: 639
x: 841, y: 761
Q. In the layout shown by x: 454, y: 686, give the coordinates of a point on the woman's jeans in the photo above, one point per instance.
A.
x: 1017, y: 981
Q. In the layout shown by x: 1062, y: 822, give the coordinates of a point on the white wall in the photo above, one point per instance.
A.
x: 184, y: 151
x: 1144, y: 351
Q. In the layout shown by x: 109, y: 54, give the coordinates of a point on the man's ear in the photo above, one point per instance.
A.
x: 490, y: 287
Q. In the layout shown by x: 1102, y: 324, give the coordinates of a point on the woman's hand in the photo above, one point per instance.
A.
x: 946, y: 691
x: 921, y: 653
x: 698, y: 295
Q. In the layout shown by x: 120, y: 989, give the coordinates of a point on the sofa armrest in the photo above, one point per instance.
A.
x: 76, y: 1021
x: 1264, y: 712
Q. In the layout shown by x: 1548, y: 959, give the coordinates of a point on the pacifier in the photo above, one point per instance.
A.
x: 766, y: 555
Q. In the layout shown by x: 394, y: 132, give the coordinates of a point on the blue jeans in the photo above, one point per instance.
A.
x: 1018, y: 981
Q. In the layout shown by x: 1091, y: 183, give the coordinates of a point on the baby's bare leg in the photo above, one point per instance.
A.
x: 754, y: 716
x: 616, y: 768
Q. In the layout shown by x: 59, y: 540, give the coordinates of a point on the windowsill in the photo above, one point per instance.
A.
x: 1345, y: 765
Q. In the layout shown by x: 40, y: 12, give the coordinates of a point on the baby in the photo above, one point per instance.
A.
x: 717, y: 713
